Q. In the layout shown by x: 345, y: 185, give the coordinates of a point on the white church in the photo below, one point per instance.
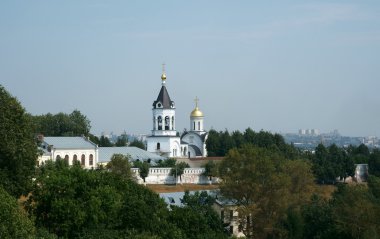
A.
x: 164, y: 139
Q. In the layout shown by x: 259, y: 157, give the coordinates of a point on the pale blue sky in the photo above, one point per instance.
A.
x: 272, y: 65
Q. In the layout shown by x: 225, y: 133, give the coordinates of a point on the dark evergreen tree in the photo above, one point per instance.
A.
x: 137, y: 143
x: 18, y: 148
x: 105, y: 142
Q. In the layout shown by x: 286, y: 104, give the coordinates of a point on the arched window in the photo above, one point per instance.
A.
x: 58, y: 157
x: 158, y: 146
x: 167, y: 123
x: 67, y: 158
x: 172, y: 122
x: 91, y: 159
x: 194, y: 125
x: 75, y: 158
x: 199, y: 125
x: 83, y: 160
x: 159, y: 119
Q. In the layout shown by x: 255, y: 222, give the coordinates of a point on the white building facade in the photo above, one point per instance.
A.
x: 70, y: 149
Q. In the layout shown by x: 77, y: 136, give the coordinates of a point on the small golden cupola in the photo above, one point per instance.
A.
x: 196, y: 112
x: 163, y: 76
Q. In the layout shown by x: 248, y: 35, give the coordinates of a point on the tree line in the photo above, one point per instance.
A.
x: 219, y: 143
x: 70, y: 202
x: 329, y: 164
x: 75, y: 124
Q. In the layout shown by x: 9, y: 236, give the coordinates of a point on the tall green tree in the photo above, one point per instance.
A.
x: 122, y: 141
x: 62, y: 124
x: 332, y: 163
x: 178, y: 170
x: 198, y: 215
x: 18, y: 149
x: 138, y: 144
x: 14, y: 222
x: 356, y: 214
x: 374, y: 163
x: 263, y: 184
x: 211, y: 169
x: 120, y: 165
x: 143, y: 168
x: 213, y: 143
x: 318, y: 219
x: 105, y: 142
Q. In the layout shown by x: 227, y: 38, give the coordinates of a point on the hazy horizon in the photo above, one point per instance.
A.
x: 276, y: 66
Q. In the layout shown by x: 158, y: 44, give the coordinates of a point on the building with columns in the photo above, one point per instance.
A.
x: 165, y: 140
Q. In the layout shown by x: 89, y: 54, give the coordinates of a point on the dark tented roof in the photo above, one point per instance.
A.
x: 164, y: 98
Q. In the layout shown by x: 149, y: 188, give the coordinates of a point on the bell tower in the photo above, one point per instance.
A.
x: 163, y: 111
x: 164, y: 139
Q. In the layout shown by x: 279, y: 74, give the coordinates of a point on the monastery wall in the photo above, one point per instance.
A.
x: 162, y: 176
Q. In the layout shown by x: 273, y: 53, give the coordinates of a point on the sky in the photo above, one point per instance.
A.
x: 277, y: 66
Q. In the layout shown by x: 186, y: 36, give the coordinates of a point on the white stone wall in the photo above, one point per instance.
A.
x: 162, y: 176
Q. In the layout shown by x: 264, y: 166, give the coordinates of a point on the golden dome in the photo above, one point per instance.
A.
x: 163, y: 76
x: 196, y: 113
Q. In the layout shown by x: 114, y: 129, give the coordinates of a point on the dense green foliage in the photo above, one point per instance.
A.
x: 201, y: 221
x: 353, y: 212
x: 219, y: 143
x: 211, y: 169
x: 178, y: 170
x: 120, y: 165
x: 62, y: 124
x: 331, y: 163
x: 143, y: 168
x: 265, y: 185
x: 374, y: 162
x: 138, y: 144
x: 18, y: 150
x: 273, y: 193
x: 168, y: 163
x: 122, y: 141
x: 14, y: 223
x: 105, y: 142
x: 71, y: 202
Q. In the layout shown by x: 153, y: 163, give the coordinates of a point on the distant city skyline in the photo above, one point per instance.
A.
x: 279, y: 66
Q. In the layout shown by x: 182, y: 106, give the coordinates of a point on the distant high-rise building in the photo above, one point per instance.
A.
x: 315, y: 132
